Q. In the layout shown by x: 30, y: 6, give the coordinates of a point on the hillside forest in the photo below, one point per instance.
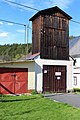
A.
x: 14, y: 51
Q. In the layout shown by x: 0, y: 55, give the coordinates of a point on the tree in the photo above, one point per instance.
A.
x: 14, y: 51
x: 71, y: 37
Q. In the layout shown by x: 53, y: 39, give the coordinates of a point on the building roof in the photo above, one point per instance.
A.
x: 17, y: 61
x: 33, y: 56
x: 74, y: 47
x: 30, y: 56
x: 27, y: 58
x: 50, y: 11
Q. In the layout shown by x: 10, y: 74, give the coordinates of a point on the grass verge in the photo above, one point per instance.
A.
x: 35, y: 107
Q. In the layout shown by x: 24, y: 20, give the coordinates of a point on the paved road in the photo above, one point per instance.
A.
x: 70, y: 98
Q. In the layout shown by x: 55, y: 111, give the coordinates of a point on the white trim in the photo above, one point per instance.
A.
x: 39, y: 72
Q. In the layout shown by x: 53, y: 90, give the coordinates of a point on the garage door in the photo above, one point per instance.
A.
x: 13, y: 80
x: 54, y: 78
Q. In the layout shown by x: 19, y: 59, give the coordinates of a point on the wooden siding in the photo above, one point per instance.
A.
x: 54, y: 38
x: 50, y: 36
x: 36, y: 26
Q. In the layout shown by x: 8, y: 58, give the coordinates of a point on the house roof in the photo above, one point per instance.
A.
x: 50, y: 11
x: 17, y: 61
x: 74, y: 47
x: 30, y: 56
x: 33, y: 56
x: 27, y: 58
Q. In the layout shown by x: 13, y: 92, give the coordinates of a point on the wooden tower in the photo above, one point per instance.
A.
x: 50, y: 34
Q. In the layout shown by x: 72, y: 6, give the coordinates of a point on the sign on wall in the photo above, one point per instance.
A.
x: 57, y: 73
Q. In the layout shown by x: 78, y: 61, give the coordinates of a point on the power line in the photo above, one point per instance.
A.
x: 75, y: 21
x: 21, y: 25
x: 33, y: 9
x: 21, y: 5
x: 15, y: 23
x: 12, y: 22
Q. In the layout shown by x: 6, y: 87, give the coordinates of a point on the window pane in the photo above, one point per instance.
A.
x: 75, y: 80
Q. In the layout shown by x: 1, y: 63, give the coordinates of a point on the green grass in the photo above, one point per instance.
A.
x: 35, y: 107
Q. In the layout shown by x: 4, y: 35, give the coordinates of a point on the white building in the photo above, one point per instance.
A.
x: 37, y: 73
x: 75, y: 53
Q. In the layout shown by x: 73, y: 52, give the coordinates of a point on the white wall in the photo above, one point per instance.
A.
x: 31, y: 71
x: 77, y: 62
x: 76, y: 73
x: 39, y: 76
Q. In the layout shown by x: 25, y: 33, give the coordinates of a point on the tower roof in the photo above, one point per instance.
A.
x: 50, y: 11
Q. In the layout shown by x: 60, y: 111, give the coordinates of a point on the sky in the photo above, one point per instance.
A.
x: 12, y: 33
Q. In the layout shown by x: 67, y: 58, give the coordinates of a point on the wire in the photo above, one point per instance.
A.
x: 16, y: 23
x: 75, y: 21
x: 12, y: 22
x: 34, y: 9
x: 21, y: 5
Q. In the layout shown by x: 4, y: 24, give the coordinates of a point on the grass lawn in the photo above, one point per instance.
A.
x: 35, y: 107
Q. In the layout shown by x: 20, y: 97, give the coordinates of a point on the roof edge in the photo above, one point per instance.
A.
x: 18, y: 61
x: 47, y: 10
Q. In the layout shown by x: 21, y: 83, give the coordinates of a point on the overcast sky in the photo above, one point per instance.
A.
x: 10, y: 33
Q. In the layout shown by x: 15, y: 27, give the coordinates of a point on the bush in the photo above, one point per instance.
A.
x: 34, y: 92
x: 76, y: 89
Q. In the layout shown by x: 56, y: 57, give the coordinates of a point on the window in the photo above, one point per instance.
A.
x: 75, y: 80
x: 56, y: 22
x: 64, y: 23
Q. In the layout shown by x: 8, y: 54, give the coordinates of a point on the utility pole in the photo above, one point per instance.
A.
x: 27, y: 37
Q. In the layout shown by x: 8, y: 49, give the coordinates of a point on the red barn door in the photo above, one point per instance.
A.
x: 13, y: 80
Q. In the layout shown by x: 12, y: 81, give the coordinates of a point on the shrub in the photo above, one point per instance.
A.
x: 76, y: 89
x: 34, y: 92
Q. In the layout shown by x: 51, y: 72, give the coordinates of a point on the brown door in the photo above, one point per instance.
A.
x: 54, y: 78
